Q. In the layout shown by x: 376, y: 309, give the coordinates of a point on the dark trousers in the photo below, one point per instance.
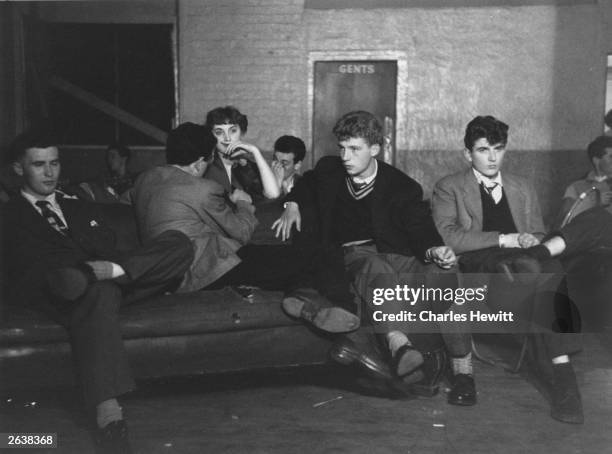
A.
x: 271, y: 267
x: 543, y: 303
x: 588, y: 231
x: 372, y: 270
x: 92, y: 320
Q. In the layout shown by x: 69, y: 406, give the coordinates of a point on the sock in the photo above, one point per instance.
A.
x: 560, y: 359
x: 463, y: 365
x: 107, y: 412
x: 396, y: 339
x: 105, y: 270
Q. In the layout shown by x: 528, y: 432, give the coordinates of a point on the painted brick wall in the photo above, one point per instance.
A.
x: 249, y: 54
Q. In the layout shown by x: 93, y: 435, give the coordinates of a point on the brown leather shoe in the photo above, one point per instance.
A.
x: 310, y: 305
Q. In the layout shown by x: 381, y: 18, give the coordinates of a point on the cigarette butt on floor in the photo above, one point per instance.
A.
x: 325, y: 402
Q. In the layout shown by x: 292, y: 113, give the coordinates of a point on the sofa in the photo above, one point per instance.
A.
x: 168, y: 335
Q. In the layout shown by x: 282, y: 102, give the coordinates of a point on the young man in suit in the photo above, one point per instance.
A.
x: 373, y: 219
x: 64, y: 262
x: 486, y: 216
x: 176, y: 197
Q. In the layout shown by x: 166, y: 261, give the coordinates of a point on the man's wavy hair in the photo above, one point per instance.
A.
x: 359, y: 123
x: 227, y: 115
x: 492, y: 129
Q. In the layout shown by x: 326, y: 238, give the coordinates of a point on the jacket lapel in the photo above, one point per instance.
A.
x: 472, y: 201
x: 31, y: 220
x: 516, y: 200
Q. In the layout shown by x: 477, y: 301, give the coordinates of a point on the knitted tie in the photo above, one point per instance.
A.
x: 51, y: 216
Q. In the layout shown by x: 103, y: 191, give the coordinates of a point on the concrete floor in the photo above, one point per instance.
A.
x: 276, y: 412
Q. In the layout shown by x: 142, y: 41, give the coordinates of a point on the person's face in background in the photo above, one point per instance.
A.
x: 117, y: 164
x: 287, y: 162
x: 603, y: 165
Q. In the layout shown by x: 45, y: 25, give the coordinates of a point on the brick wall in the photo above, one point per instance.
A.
x: 249, y: 54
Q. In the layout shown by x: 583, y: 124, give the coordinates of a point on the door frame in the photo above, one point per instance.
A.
x: 401, y: 89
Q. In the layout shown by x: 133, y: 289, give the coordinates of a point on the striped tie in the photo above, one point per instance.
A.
x: 51, y: 216
x: 495, y: 195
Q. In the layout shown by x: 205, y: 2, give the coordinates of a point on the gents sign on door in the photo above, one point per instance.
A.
x: 356, y: 69
x: 341, y: 86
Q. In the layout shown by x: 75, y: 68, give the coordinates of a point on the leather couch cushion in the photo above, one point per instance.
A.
x: 167, y: 315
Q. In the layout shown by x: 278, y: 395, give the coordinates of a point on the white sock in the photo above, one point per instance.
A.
x: 463, y: 365
x: 396, y: 339
x: 107, y: 412
x: 560, y: 359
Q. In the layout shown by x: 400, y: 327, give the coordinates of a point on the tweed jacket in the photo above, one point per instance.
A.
x: 167, y: 198
x: 402, y: 222
x: 457, y: 210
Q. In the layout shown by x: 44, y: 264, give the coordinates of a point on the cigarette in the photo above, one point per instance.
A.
x: 318, y: 404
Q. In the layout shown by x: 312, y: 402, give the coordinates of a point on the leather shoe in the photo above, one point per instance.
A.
x: 566, y: 405
x: 113, y: 439
x: 463, y: 391
x: 432, y: 370
x: 347, y: 352
x: 70, y: 283
x: 310, y: 305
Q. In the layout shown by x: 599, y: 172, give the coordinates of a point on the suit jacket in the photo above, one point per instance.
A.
x: 32, y: 246
x: 167, y: 198
x: 402, y: 221
x: 457, y: 210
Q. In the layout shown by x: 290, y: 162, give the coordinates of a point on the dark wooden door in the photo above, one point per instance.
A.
x: 343, y: 86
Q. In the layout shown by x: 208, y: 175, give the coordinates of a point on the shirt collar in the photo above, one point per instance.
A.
x: 488, y: 182
x: 369, y: 179
x: 50, y: 198
x: 592, y: 176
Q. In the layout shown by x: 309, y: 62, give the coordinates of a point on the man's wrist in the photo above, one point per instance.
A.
x: 290, y: 204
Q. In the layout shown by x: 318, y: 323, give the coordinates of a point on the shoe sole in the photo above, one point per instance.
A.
x: 336, y: 320
x: 332, y: 319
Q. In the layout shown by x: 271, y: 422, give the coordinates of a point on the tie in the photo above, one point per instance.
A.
x: 495, y: 195
x: 51, y: 216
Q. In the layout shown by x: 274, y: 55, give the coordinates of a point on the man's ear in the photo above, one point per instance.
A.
x: 297, y: 165
x: 467, y: 154
x: 18, y: 168
x: 374, y: 150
